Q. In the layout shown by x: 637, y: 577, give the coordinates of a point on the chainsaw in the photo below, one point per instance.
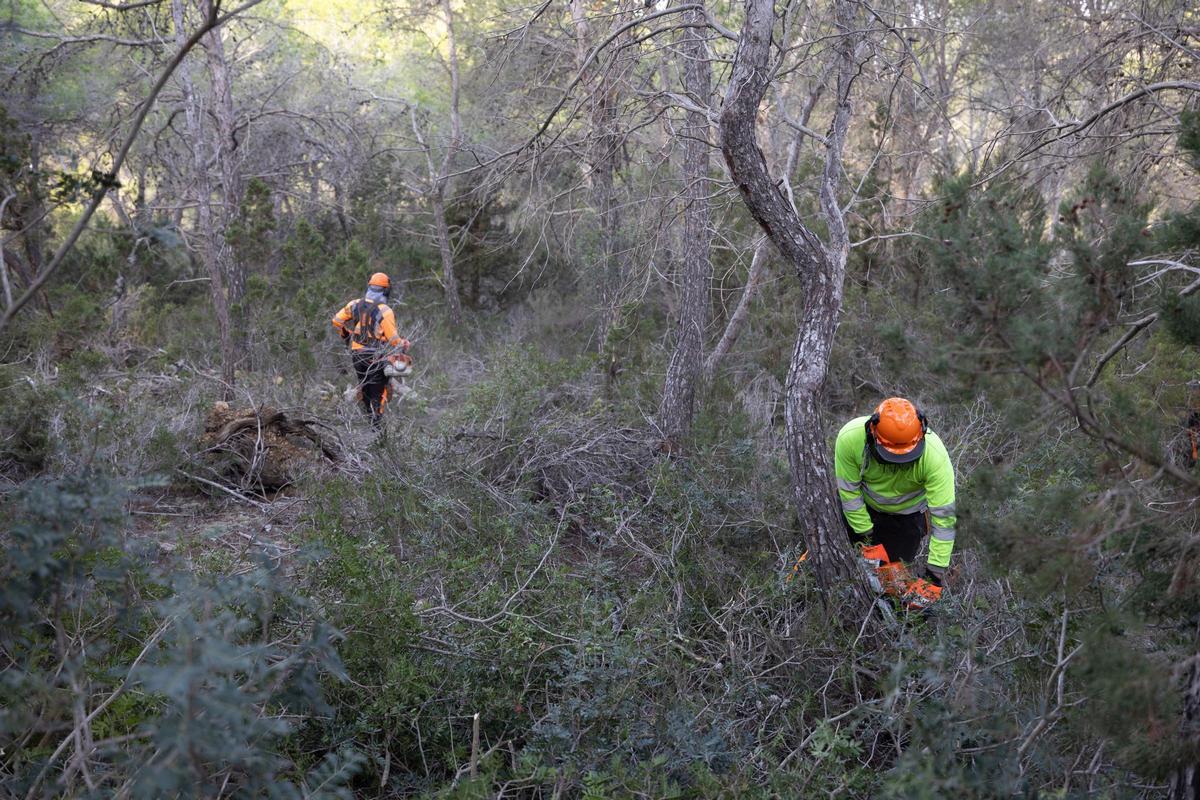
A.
x: 398, y: 365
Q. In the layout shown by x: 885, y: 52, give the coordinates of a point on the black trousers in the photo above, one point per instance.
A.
x: 371, y: 382
x: 900, y: 534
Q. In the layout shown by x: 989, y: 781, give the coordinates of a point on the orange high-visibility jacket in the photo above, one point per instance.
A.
x: 368, y: 325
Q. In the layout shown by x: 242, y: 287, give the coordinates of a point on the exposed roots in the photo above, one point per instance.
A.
x: 262, y: 450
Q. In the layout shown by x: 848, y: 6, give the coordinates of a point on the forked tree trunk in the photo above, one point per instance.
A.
x: 820, y: 269
x: 679, y: 389
x: 758, y: 263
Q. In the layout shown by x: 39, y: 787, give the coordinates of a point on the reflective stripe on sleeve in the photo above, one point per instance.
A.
x: 943, y: 511
x: 848, y: 486
x: 943, y: 534
x: 853, y: 504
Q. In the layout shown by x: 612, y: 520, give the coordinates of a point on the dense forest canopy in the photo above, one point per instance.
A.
x: 453, y: 398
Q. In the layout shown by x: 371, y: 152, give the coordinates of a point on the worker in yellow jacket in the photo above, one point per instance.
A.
x: 369, y: 327
x: 896, y: 483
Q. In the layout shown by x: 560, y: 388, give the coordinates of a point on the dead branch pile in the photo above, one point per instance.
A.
x: 263, y: 449
x: 562, y: 458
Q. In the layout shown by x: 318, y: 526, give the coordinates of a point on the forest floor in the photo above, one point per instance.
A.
x: 219, y: 525
x: 516, y: 547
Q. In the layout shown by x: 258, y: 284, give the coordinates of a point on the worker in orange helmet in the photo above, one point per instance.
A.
x: 369, y: 327
x: 896, y: 483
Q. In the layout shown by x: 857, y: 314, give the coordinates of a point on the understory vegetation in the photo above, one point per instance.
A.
x: 217, y: 580
x: 622, y: 624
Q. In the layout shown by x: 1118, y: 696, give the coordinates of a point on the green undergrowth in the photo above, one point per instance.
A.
x: 621, y: 623
x: 631, y: 638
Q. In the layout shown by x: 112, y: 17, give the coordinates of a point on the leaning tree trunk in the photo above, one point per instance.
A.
x: 758, y: 262
x: 820, y: 269
x: 741, y: 313
x: 679, y: 389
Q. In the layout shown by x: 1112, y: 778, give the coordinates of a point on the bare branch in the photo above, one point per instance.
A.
x: 1129, y: 335
x: 212, y: 22
x: 132, y: 4
x: 1075, y: 128
x: 88, y: 39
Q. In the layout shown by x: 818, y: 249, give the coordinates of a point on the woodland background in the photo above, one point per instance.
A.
x: 566, y: 571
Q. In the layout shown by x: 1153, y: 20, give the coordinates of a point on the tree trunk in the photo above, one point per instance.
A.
x: 441, y: 180
x: 1185, y: 781
x: 232, y: 343
x: 35, y: 212
x: 601, y: 154
x: 758, y: 263
x: 449, y: 279
x: 226, y: 146
x: 604, y: 195
x: 211, y: 242
x: 737, y: 320
x: 820, y: 269
x: 679, y: 389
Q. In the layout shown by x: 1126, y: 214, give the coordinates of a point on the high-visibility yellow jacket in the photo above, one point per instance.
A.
x: 926, y: 484
x: 368, y: 325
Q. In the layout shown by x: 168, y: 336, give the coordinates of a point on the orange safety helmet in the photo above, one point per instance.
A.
x: 898, y: 430
x: 381, y: 280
